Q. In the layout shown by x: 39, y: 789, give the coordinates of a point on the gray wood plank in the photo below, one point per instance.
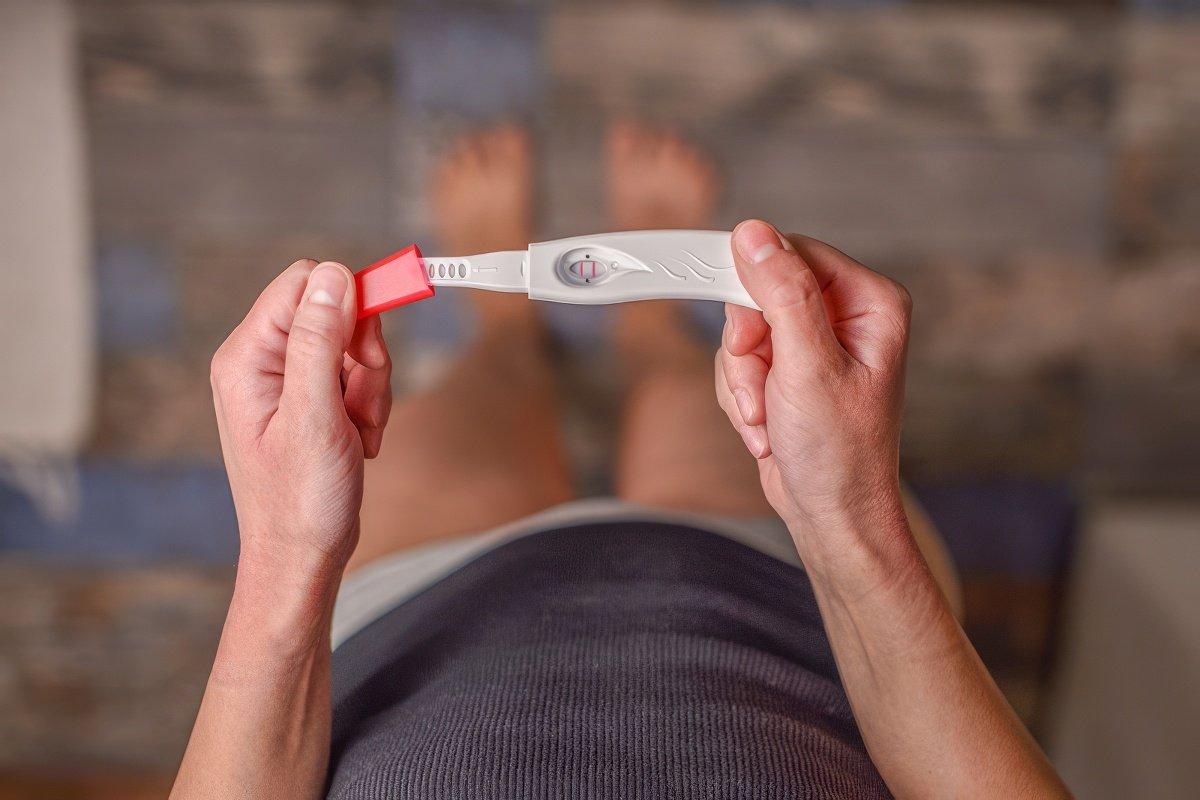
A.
x: 914, y: 70
x: 1022, y: 316
x: 221, y: 278
x: 961, y: 426
x: 1158, y: 136
x: 884, y: 200
x: 189, y: 173
x: 154, y: 405
x: 278, y: 56
x: 220, y: 118
x: 104, y: 666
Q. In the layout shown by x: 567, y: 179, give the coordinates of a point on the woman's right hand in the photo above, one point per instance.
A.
x: 814, y: 383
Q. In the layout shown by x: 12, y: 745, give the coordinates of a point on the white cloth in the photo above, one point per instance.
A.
x: 375, y: 589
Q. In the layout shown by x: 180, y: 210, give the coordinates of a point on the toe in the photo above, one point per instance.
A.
x: 460, y: 151
x: 646, y: 142
x: 621, y: 139
x: 512, y: 141
x: 475, y: 154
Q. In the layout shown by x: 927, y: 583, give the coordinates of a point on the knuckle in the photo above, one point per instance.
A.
x: 727, y: 374
x: 728, y: 405
x: 895, y: 305
x: 376, y: 417
x: 216, y: 374
x: 374, y: 414
x: 725, y: 402
x: 296, y: 271
x: 722, y: 387
x: 302, y: 266
x: 720, y: 362
x: 219, y: 367
x: 904, y: 307
x: 308, y: 422
x: 736, y: 376
x: 796, y: 290
x: 313, y: 332
x: 903, y: 298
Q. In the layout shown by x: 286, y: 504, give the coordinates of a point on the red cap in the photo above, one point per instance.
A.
x: 394, y: 281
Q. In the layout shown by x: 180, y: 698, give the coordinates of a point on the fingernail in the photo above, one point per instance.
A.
x: 756, y: 240
x: 744, y: 403
x: 729, y: 323
x: 327, y: 286
x: 787, y: 243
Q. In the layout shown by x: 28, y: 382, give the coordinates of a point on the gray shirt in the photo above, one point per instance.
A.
x: 621, y: 660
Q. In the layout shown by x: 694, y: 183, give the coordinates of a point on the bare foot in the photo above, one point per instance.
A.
x: 482, y: 195
x: 658, y: 180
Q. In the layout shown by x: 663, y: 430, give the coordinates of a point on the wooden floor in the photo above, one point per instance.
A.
x: 101, y: 785
x: 1030, y: 171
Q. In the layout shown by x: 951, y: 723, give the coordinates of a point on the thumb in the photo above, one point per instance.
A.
x: 320, y: 333
x: 783, y: 286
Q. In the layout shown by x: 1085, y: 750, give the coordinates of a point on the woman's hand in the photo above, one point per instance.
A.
x: 814, y: 383
x: 302, y: 396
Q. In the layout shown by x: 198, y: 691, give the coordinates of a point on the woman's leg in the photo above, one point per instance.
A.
x: 676, y: 450
x: 482, y: 447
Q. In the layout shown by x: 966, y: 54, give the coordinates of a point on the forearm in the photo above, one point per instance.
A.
x: 263, y: 726
x: 933, y: 720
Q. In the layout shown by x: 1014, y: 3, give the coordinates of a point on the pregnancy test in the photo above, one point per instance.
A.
x: 588, y: 270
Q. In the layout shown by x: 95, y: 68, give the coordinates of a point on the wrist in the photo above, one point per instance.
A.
x: 273, y: 628
x: 863, y: 540
x: 294, y: 551
x: 284, y: 595
x: 278, y: 560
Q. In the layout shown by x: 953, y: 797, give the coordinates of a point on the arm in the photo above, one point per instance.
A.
x: 814, y: 384
x: 302, y: 396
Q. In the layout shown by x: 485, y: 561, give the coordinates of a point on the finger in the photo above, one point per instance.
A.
x: 317, y: 339
x: 368, y: 397
x: 368, y: 389
x: 753, y: 436
x: 368, y: 347
x: 868, y: 311
x: 746, y: 377
x: 831, y: 265
x: 762, y: 348
x: 785, y: 288
x: 745, y: 328
x: 266, y: 324
x: 372, y: 442
x: 247, y: 369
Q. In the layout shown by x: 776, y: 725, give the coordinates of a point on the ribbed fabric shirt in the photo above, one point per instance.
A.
x: 630, y: 660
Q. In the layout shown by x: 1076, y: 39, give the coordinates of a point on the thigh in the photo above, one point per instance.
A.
x: 480, y: 449
x: 677, y: 449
